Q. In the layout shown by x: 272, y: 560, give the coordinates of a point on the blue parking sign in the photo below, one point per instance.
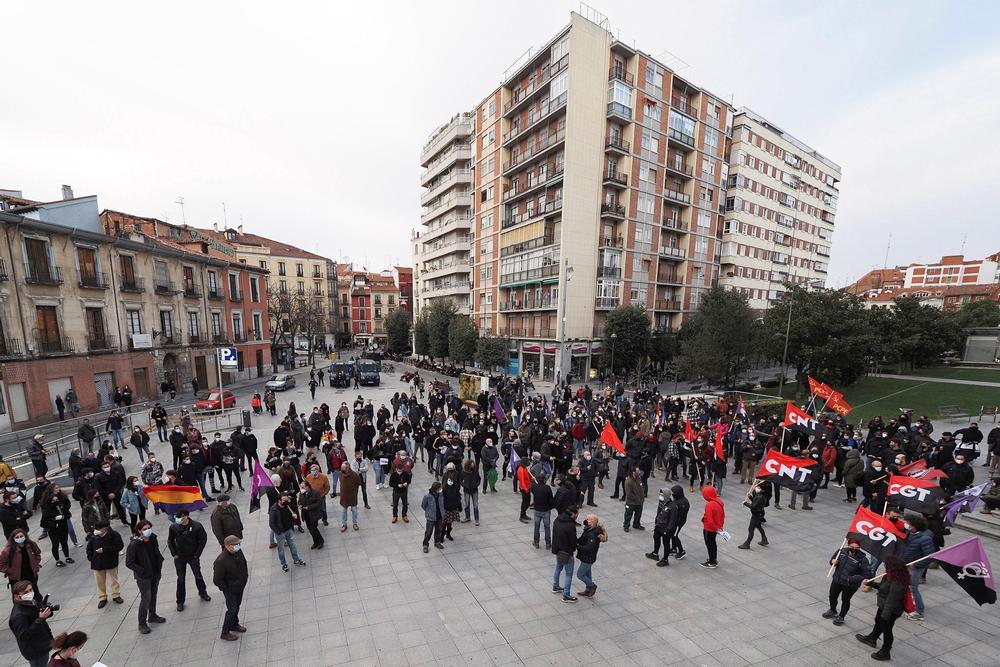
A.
x: 228, y: 359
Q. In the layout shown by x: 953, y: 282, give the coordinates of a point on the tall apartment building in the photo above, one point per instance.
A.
x: 599, y: 181
x: 780, y: 205
x: 441, y: 250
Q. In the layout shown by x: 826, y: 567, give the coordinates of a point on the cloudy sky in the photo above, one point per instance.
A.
x: 307, y: 119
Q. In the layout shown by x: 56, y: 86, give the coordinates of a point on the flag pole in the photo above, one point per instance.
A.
x: 868, y: 582
x: 837, y: 559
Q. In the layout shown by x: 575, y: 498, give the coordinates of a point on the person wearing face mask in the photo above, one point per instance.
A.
x: 919, y: 545
x: 13, y: 514
x: 959, y: 475
x: 140, y: 440
x: 319, y: 483
x: 177, y: 443
x: 758, y: 501
x: 281, y: 520
x: 400, y: 481
x: 634, y: 498
x: 874, y: 485
x: 664, y: 525
x: 588, y: 476
x: 21, y: 558
x: 490, y: 455
x: 226, y: 520
x: 66, y: 646
x: 143, y: 557
x: 230, y: 575
x: 713, y: 521
x: 111, y: 484
x: 587, y: 545
x: 55, y: 519
x: 851, y: 568
x: 186, y: 539
x: 103, y: 549
x: 310, y: 504
x: 29, y: 624
x: 814, y: 470
x: 852, y: 474
x: 452, y: 494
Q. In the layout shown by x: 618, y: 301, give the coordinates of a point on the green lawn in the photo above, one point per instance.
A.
x: 872, y: 396
x: 980, y: 374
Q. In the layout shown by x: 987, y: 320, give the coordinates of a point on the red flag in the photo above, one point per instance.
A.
x: 720, y: 451
x: 878, y: 535
x: 914, y: 493
x: 795, y: 418
x: 910, y: 468
x: 817, y: 388
x: 838, y: 404
x: 688, y: 432
x: 788, y: 471
x: 610, y: 438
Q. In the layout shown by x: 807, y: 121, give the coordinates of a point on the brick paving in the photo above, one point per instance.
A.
x: 373, y: 598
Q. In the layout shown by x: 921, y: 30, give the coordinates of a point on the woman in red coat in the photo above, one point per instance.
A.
x: 712, y: 522
x: 829, y: 458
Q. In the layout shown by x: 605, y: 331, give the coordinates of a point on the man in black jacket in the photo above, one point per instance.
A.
x: 588, y: 476
x: 676, y: 548
x: 143, y: 557
x: 758, y: 501
x: 564, y: 546
x: 230, y: 575
x: 186, y: 539
x: 541, y: 496
x: 282, y: 521
x: 590, y: 540
x: 29, y: 624
x: 102, y: 552
x: 663, y: 529
x: 850, y: 568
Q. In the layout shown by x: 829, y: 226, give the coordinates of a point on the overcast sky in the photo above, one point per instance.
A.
x: 307, y: 119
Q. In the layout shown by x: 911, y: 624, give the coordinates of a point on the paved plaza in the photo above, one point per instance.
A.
x: 373, y: 598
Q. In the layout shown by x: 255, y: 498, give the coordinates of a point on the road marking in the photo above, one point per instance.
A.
x: 890, y: 395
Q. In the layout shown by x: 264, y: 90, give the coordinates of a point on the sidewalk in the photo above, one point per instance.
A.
x: 921, y: 378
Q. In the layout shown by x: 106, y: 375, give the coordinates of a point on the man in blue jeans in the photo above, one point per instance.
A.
x: 541, y: 498
x: 919, y: 544
x: 282, y: 523
x: 564, y: 546
x: 589, y: 542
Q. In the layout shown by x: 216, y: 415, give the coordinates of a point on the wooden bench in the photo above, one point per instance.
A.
x: 952, y: 411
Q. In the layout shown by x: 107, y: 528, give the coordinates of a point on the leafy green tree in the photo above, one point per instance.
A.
x: 462, y: 338
x: 716, y: 343
x: 421, y: 336
x: 828, y: 336
x: 439, y: 318
x: 922, y: 333
x: 662, y: 347
x: 983, y: 313
x: 397, y: 329
x: 491, y: 352
x: 626, y: 337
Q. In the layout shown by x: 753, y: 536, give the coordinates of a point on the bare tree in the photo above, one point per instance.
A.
x: 296, y: 315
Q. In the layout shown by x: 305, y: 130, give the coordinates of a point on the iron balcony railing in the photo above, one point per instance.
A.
x: 101, y: 343
x: 132, y: 284
x: 42, y: 274
x: 49, y: 344
x: 92, y: 279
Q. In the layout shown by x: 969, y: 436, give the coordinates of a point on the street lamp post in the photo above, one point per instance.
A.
x: 788, y: 333
x: 614, y: 336
x: 568, y: 275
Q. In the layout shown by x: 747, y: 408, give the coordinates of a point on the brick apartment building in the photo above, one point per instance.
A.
x: 371, y: 297
x: 588, y: 130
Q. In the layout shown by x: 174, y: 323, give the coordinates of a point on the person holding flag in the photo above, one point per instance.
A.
x: 919, y: 545
x: 891, y: 595
x: 850, y: 568
x: 719, y: 460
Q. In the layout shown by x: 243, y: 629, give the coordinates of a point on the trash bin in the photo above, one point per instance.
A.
x: 246, y: 418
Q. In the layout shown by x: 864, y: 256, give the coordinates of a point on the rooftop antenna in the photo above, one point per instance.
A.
x: 180, y: 202
x: 225, y: 219
x: 964, y: 238
x: 888, y: 244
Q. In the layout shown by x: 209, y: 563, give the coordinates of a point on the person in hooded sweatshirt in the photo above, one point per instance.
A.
x: 850, y: 568
x: 757, y: 502
x: 663, y: 528
x: 683, y: 505
x: 712, y: 521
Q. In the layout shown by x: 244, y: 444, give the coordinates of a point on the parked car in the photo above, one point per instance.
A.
x: 209, y: 401
x: 367, y: 371
x: 280, y: 382
x: 341, y: 373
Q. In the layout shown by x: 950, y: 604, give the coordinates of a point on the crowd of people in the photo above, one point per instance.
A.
x: 555, y: 449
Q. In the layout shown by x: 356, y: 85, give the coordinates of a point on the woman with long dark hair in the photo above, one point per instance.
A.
x: 55, y: 519
x: 891, y: 593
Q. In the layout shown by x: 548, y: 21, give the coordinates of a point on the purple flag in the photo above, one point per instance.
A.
x: 515, y: 461
x: 498, y: 409
x: 967, y: 564
x: 967, y: 500
x: 548, y: 410
x: 260, y: 479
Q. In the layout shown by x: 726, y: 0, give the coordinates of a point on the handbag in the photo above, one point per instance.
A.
x: 563, y: 557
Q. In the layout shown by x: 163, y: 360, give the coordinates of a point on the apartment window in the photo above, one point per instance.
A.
x: 302, y: 287
x: 486, y: 194
x: 317, y: 288
x: 316, y: 271
x: 647, y: 173
x: 127, y: 264
x: 654, y: 77
x: 489, y: 137
x: 711, y: 137
x: 95, y: 327
x: 213, y: 282
x: 167, y: 324
x: 234, y: 286
x: 621, y: 94
x: 281, y: 268
x: 705, y: 196
x: 704, y: 220
x: 283, y: 286
x: 644, y: 203
x: 86, y: 257
x: 559, y: 85
x: 652, y: 111
x: 37, y: 254
x: 682, y: 124
x: 263, y: 264
x: 192, y: 322
x: 486, y: 273
x: 392, y: 300
x: 216, y: 323
x: 488, y: 167
x: 254, y: 291
x: 48, y: 328
x: 364, y: 327
x: 650, y: 142
x: 701, y: 248
x: 708, y: 166
x: 486, y: 222
x: 258, y: 327
x: 188, y: 279
x: 238, y: 326
x: 378, y: 313
x: 299, y: 270
x: 133, y: 321
x: 161, y: 274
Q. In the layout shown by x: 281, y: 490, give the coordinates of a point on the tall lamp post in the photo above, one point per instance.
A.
x: 567, y: 276
x: 788, y: 332
x: 614, y: 337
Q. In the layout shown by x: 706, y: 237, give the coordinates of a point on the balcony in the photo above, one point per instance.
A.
x: 49, y: 344
x: 548, y: 208
x: 164, y: 287
x: 672, y: 252
x: 780, y: 259
x: 609, y: 272
x: 530, y: 275
x: 618, y: 145
x: 220, y: 339
x: 132, y: 284
x: 461, y: 125
x: 536, y: 116
x: 606, y: 302
x: 195, y: 338
x: 91, y: 280
x: 682, y: 138
x: 616, y: 242
x: 621, y: 74
x: 439, y: 186
x: 102, y: 343
x: 616, y: 178
x: 679, y: 168
x: 682, y: 105
x: 4, y: 276
x: 516, y: 305
x: 669, y: 278
x: 522, y: 95
x: 459, y: 152
x: 616, y: 211
x: 11, y: 348
x: 192, y: 291
x: 235, y: 295
x: 239, y: 337
x: 677, y: 196
x: 535, y: 149
x: 667, y: 305
x: 675, y: 224
x: 42, y: 274
x: 441, y: 206
x: 215, y: 293
x: 516, y: 191
x: 619, y: 110
x: 529, y: 332
x: 171, y: 337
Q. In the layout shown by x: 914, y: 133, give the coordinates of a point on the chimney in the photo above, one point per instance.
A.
x: 67, y: 192
x: 240, y: 229
x: 215, y: 226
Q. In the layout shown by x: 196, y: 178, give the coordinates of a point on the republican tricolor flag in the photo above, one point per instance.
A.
x: 173, y: 498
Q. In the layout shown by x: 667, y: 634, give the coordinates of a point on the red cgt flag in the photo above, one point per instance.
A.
x: 611, y: 439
